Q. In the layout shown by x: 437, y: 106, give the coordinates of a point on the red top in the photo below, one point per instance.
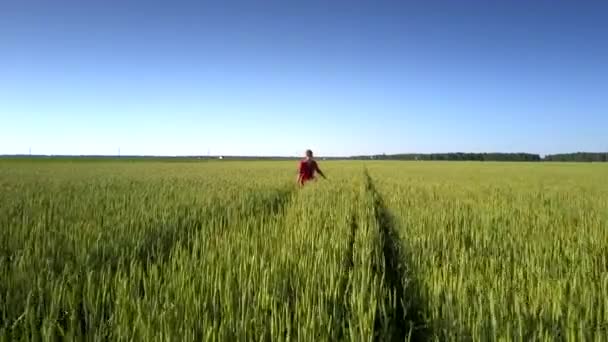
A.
x: 307, y: 170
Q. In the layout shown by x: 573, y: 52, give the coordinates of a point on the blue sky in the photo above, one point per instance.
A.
x: 277, y: 77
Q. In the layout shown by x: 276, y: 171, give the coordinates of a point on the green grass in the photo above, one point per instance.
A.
x: 233, y: 250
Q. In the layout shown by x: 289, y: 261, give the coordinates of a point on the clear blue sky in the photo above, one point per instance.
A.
x: 277, y: 77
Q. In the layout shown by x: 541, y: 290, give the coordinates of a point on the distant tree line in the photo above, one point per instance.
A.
x: 523, y: 157
x: 457, y: 156
x: 578, y: 157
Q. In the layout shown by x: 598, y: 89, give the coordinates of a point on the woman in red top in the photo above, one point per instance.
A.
x: 308, y: 167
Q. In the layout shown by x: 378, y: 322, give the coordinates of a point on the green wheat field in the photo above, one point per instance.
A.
x: 235, y: 251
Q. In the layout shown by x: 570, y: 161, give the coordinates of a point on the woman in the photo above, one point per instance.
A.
x: 308, y: 167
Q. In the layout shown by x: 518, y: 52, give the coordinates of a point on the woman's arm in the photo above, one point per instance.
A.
x: 319, y: 170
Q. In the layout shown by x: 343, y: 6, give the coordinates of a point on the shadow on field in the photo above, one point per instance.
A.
x: 408, y: 319
x: 143, y: 244
x: 161, y: 237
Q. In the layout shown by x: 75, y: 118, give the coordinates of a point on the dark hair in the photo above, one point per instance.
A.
x: 309, y: 152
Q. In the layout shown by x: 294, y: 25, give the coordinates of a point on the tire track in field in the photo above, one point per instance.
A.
x: 349, y: 264
x: 408, y: 318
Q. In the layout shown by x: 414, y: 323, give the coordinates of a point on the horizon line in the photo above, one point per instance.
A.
x: 201, y: 156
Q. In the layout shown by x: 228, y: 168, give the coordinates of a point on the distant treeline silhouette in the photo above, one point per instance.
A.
x: 579, y: 157
x: 457, y: 156
x: 523, y: 157
x: 454, y: 156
